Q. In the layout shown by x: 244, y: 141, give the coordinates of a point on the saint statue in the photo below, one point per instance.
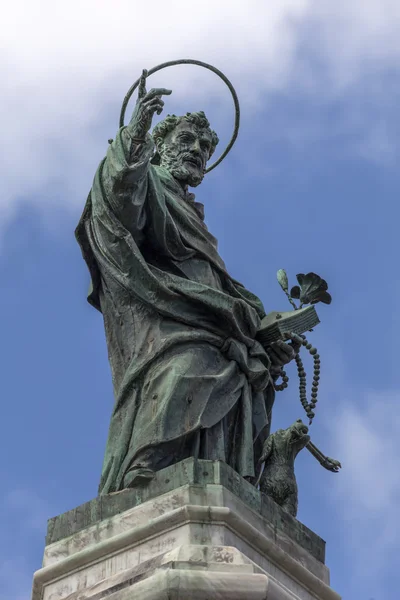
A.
x: 189, y: 376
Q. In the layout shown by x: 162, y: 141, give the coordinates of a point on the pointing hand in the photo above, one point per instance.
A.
x: 147, y: 104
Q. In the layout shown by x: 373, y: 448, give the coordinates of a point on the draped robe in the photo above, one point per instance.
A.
x: 189, y: 377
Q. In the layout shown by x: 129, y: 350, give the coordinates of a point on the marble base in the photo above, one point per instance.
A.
x: 197, y: 540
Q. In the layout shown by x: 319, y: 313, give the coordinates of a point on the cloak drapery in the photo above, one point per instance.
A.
x: 189, y: 376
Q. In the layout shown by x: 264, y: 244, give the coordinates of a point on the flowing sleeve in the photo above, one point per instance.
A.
x: 124, y: 181
x: 115, y: 207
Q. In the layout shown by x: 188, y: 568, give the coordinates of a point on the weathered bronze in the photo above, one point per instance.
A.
x: 311, y: 290
x: 278, y: 480
x: 190, y: 378
x: 199, y: 63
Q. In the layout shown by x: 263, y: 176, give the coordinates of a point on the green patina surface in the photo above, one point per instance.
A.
x: 188, y: 472
x: 190, y: 377
x: 193, y: 376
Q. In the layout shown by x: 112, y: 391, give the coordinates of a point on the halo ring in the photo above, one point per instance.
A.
x: 189, y: 61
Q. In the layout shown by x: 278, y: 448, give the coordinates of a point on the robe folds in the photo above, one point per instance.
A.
x: 189, y: 376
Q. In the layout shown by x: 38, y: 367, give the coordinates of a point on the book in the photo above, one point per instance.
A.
x: 275, y: 324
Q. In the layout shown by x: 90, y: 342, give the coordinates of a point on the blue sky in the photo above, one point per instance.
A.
x: 312, y: 184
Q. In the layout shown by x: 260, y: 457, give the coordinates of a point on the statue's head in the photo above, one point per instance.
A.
x: 184, y: 145
x: 290, y: 441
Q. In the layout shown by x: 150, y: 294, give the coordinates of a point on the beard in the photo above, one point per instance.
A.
x: 173, y: 161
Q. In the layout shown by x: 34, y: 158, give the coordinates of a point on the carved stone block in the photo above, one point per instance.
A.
x: 196, y: 539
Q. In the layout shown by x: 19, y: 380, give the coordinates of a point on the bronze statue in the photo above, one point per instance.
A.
x: 278, y: 480
x: 190, y: 378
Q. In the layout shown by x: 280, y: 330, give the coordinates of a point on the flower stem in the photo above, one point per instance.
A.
x: 291, y: 300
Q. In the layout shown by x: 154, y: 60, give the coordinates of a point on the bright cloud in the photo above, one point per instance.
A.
x: 64, y: 66
x: 358, y: 37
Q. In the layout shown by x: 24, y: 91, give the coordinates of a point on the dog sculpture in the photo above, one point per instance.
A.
x: 278, y: 480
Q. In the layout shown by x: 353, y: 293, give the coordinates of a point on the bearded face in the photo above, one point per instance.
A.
x: 185, y: 152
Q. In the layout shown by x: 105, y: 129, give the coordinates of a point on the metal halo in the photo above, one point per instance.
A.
x: 189, y: 61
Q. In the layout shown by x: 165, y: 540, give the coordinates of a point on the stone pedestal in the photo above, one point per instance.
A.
x: 198, y: 531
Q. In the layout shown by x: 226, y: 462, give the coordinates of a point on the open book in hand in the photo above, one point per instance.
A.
x: 276, y: 325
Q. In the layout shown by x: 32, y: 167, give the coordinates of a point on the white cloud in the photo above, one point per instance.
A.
x: 357, y: 37
x: 64, y: 66
x: 368, y: 488
x: 63, y: 63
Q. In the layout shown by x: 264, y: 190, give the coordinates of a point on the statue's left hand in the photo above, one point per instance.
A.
x: 280, y: 354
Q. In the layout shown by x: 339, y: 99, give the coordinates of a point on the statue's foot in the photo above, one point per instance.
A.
x: 138, y: 477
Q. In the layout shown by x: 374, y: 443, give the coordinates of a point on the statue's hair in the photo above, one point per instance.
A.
x: 199, y: 119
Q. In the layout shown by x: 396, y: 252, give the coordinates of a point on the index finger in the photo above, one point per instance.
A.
x: 142, y: 84
x: 158, y: 92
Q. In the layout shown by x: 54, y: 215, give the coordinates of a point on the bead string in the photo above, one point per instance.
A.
x: 279, y: 387
x: 308, y: 406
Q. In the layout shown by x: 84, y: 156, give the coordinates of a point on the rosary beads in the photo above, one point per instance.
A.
x: 279, y: 387
x: 308, y: 406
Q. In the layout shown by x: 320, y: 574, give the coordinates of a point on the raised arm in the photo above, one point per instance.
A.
x: 128, y: 159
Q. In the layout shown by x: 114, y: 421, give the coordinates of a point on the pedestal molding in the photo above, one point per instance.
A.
x: 175, y: 584
x: 171, y: 520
